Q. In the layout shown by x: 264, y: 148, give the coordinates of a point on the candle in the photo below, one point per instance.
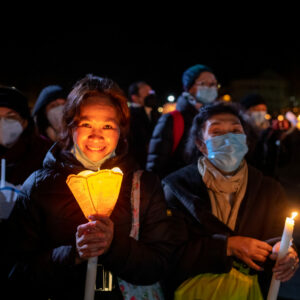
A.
x: 95, y: 192
x: 2, y: 184
x: 283, y: 250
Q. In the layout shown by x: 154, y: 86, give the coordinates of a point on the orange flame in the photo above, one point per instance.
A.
x: 294, y: 214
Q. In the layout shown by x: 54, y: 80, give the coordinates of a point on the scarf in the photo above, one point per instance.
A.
x: 226, y: 192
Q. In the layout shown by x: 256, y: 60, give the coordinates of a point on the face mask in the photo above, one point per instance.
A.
x: 257, y: 118
x: 10, y: 130
x: 227, y: 151
x: 55, y: 116
x: 206, y: 94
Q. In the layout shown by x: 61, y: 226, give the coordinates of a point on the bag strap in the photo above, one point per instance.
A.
x: 135, y: 204
x: 178, y: 128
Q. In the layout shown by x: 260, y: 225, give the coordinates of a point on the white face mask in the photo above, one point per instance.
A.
x: 55, y: 116
x: 258, y: 119
x: 10, y: 131
x: 206, y: 94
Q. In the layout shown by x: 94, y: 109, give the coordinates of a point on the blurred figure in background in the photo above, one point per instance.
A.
x: 200, y: 87
x: 47, y: 111
x: 23, y: 150
x: 144, y: 114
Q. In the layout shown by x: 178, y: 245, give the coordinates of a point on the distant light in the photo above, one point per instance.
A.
x: 168, y: 107
x: 160, y: 109
x: 280, y: 118
x: 298, y: 118
x: 268, y: 117
x: 171, y: 98
x: 226, y: 98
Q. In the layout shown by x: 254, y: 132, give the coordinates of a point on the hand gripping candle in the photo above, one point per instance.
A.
x: 95, y: 192
x: 283, y: 250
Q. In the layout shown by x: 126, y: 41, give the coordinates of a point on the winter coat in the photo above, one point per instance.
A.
x: 44, y: 224
x: 160, y: 158
x: 141, y: 128
x: 25, y: 156
x: 261, y: 216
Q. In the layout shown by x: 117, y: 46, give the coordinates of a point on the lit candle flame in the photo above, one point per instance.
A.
x: 294, y: 214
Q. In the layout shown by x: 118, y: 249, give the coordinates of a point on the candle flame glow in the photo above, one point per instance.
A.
x: 294, y: 214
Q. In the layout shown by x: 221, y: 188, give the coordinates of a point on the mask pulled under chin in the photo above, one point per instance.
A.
x: 227, y: 151
x: 10, y: 131
x: 86, y: 162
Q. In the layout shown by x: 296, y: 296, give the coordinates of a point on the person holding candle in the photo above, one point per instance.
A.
x: 52, y: 240
x: 228, y: 210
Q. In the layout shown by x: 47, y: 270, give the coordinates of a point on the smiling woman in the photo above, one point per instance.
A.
x: 52, y: 238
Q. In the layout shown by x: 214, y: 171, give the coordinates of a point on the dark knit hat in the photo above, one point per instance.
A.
x: 12, y: 98
x: 47, y: 95
x: 252, y: 100
x: 190, y: 75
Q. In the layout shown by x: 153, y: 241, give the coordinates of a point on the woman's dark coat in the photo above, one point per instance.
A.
x: 261, y: 216
x: 44, y: 224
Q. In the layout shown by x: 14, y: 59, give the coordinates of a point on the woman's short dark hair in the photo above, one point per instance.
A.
x: 205, y: 113
x: 88, y: 86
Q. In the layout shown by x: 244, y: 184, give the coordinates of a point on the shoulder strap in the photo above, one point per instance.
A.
x: 135, y: 204
x: 178, y: 128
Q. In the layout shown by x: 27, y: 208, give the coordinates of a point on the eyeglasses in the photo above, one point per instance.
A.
x: 208, y: 84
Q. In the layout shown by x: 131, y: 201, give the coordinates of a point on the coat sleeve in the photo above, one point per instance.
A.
x: 35, y: 263
x: 160, y: 146
x: 144, y: 261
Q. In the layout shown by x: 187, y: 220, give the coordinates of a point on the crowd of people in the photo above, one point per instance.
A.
x: 216, y: 182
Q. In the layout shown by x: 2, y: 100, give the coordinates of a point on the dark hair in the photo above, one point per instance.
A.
x: 135, y: 87
x: 205, y: 113
x: 83, y: 89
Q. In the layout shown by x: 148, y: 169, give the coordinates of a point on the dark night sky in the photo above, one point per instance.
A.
x: 32, y: 57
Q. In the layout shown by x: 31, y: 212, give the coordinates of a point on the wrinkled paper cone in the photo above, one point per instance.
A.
x: 96, y: 192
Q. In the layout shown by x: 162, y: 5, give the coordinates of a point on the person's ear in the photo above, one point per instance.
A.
x: 201, y: 146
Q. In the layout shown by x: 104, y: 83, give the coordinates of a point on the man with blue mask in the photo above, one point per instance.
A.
x: 227, y: 211
x: 200, y: 87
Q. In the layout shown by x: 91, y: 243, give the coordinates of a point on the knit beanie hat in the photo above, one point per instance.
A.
x: 12, y: 98
x: 252, y: 100
x: 190, y: 75
x: 47, y: 95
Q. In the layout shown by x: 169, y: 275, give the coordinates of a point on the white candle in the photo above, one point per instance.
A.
x: 284, y: 247
x: 91, y: 274
x: 2, y: 184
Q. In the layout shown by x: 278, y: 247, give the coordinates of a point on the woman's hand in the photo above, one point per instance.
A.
x: 94, y: 238
x: 248, y: 250
x: 285, y: 267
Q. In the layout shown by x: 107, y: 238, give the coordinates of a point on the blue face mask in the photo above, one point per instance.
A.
x: 227, y: 151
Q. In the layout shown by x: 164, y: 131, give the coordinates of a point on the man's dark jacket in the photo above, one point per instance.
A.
x: 160, y: 158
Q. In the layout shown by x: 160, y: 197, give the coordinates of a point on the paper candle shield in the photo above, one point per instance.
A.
x: 96, y: 192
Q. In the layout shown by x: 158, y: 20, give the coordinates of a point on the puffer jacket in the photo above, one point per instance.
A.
x: 160, y: 158
x: 44, y: 222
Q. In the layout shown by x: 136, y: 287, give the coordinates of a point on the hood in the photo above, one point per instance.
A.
x: 47, y: 95
x: 184, y: 105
